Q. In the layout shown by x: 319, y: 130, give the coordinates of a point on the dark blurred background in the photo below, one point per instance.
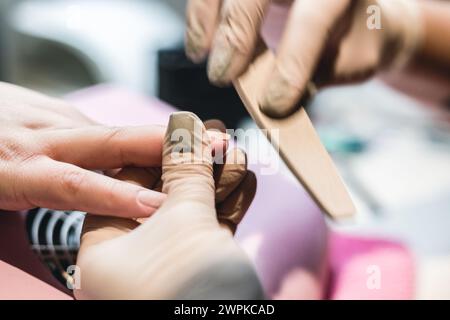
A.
x: 185, y: 84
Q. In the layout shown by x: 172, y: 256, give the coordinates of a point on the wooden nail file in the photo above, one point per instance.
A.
x: 298, y: 143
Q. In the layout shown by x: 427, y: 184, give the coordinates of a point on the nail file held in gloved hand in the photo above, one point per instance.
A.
x: 298, y: 143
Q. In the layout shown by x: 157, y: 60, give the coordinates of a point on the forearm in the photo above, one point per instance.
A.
x: 435, y: 47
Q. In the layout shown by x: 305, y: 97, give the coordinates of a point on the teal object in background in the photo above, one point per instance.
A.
x: 337, y: 141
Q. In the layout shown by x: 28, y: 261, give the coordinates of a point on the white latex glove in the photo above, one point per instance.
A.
x: 327, y: 41
x: 181, y: 251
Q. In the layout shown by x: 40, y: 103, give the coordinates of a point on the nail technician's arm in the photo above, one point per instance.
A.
x: 182, y: 251
x: 48, y: 148
x: 328, y: 41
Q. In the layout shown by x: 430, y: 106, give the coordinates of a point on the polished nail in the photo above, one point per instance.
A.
x: 150, y: 199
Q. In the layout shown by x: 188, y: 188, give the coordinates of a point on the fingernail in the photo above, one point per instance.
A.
x: 220, y: 61
x: 150, y: 199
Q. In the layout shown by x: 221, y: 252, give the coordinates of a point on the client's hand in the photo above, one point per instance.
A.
x: 48, y: 149
x: 182, y: 251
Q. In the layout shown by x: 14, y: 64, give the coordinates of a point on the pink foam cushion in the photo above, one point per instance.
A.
x: 115, y: 106
x: 356, y: 263
x: 21, y: 271
x: 17, y: 284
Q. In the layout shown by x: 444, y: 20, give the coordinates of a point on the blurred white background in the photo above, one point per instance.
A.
x: 57, y: 46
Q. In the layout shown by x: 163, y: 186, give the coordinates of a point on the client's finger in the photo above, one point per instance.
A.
x: 56, y: 185
x: 99, y: 147
x: 187, y: 163
x: 218, y: 152
x: 97, y: 229
x: 144, y: 177
x: 215, y: 124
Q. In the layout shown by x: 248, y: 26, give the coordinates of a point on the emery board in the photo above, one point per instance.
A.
x: 298, y: 143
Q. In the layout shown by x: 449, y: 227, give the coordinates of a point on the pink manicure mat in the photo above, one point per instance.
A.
x: 285, y: 237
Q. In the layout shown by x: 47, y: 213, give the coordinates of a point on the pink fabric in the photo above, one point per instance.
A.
x: 356, y: 260
x: 286, y: 236
x: 19, y: 285
x: 22, y: 274
x: 115, y: 106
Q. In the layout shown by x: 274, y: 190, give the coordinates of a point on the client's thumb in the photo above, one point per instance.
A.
x: 187, y: 161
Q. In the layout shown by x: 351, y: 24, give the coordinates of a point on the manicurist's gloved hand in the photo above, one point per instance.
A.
x: 326, y: 41
x: 186, y: 249
x: 48, y: 149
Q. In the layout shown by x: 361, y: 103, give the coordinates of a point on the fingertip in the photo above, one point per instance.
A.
x: 279, y: 100
x: 215, y: 124
x: 149, y: 201
x: 224, y: 67
x: 195, y: 50
x: 217, y: 72
x: 219, y: 138
x: 219, y: 144
x: 274, y: 110
x: 183, y: 120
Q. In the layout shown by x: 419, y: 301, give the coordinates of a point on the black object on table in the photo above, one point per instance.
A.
x: 185, y: 85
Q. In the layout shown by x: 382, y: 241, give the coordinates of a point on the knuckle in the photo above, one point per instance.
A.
x: 19, y: 147
x: 114, y: 188
x: 72, y: 181
x: 115, y: 135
